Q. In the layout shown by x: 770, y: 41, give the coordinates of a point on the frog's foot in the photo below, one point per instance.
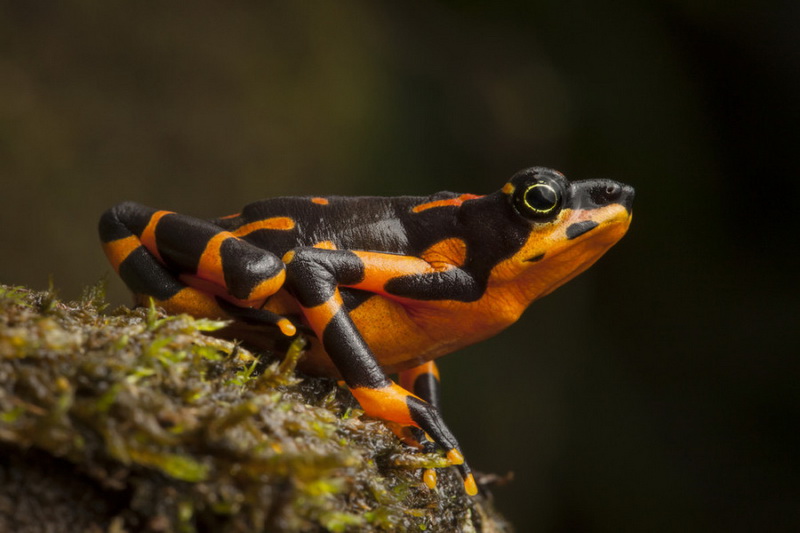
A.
x: 398, y: 406
x: 413, y: 436
x: 260, y: 317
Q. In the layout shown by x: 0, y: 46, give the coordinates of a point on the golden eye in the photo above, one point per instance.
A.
x: 541, y: 199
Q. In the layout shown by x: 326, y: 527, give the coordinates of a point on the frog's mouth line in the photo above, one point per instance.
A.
x: 535, y: 258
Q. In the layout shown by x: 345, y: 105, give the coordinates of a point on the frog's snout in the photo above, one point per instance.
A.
x: 592, y: 194
x: 626, y: 197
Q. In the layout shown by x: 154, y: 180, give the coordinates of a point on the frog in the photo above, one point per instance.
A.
x: 380, y: 285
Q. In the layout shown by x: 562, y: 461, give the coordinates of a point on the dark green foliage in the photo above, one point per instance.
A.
x: 134, y: 420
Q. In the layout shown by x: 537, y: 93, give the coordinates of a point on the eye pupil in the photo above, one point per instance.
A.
x: 541, y: 198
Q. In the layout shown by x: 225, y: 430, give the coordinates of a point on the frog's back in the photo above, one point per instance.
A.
x: 387, y: 224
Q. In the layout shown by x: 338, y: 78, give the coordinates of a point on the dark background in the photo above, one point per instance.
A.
x: 659, y: 391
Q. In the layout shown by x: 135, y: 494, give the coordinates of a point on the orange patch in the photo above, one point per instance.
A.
x: 319, y: 200
x: 282, y: 303
x: 395, y: 339
x: 444, y: 203
x: 194, y: 302
x: 274, y: 223
x: 445, y: 253
x: 119, y: 250
x: 148, y: 236
x: 386, y: 403
x: 325, y: 245
x: 211, y: 288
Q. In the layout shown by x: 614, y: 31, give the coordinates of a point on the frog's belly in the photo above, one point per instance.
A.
x: 404, y: 336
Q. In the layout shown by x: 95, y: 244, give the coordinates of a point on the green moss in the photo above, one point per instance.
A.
x: 195, y: 433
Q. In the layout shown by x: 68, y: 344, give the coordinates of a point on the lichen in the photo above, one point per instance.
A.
x: 176, y: 430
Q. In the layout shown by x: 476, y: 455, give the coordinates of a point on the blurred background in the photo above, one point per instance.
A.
x: 658, y: 391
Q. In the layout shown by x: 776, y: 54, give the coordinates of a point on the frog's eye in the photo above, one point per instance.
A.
x: 539, y: 200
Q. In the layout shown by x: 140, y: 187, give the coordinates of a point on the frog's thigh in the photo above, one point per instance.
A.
x: 147, y: 277
x: 145, y: 246
x: 202, y: 249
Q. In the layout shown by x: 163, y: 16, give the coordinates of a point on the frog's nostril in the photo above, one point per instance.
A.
x: 613, y: 191
x: 606, y: 192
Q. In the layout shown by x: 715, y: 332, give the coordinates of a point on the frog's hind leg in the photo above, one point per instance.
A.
x: 186, y: 264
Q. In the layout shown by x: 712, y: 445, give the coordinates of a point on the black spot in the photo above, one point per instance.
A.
x: 579, y: 228
x: 535, y: 258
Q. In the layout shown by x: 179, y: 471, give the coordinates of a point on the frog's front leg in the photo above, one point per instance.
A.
x: 190, y: 265
x: 314, y: 277
x: 422, y: 380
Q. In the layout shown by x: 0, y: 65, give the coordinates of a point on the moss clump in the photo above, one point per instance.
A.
x: 132, y: 420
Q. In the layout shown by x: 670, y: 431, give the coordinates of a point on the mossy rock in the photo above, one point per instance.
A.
x: 136, y: 421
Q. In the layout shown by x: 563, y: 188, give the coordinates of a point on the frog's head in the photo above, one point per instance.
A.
x: 571, y: 225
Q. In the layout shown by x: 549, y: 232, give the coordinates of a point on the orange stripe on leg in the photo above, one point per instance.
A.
x: 148, y: 236
x: 380, y: 268
x: 117, y: 251
x: 386, y: 403
x: 210, y: 265
x: 408, y: 377
x: 268, y: 287
x: 320, y: 315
